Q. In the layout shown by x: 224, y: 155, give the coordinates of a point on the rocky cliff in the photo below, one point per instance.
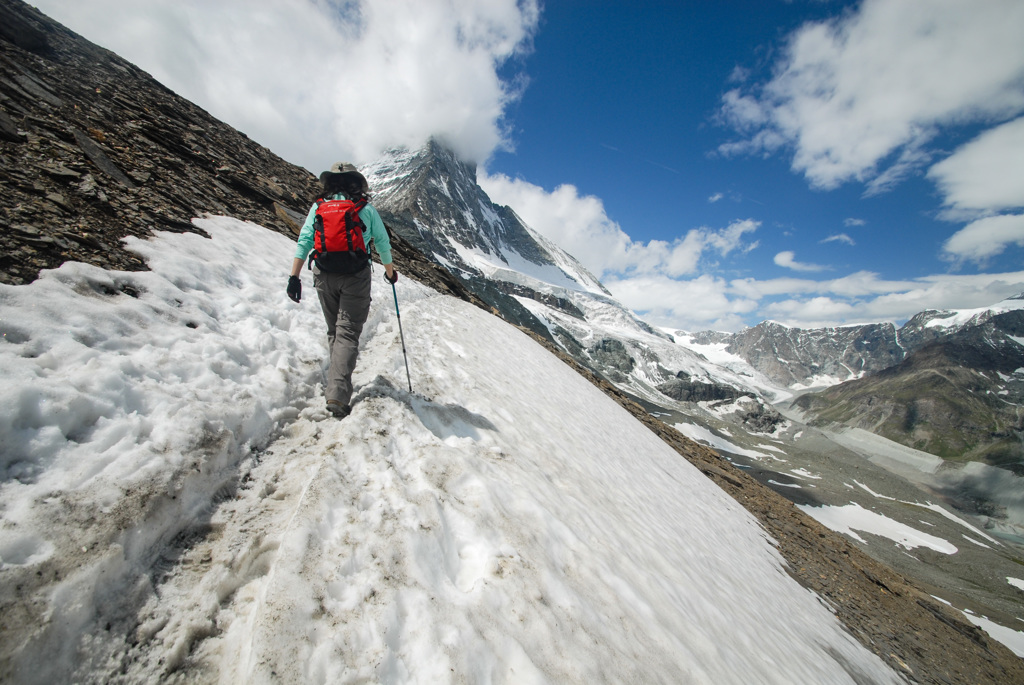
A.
x: 93, y: 149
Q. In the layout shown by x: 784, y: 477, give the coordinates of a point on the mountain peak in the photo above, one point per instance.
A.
x: 431, y: 198
x: 446, y: 154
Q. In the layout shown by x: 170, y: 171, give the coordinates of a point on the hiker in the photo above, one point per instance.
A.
x: 337, y: 232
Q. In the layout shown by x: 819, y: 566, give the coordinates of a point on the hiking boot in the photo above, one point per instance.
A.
x: 337, y: 409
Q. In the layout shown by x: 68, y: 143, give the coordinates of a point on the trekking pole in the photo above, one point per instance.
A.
x: 402, y: 336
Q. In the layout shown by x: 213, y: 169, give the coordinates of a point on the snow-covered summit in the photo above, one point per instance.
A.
x: 956, y: 319
x: 433, y: 199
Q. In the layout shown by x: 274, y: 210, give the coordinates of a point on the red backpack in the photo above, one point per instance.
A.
x: 338, y: 245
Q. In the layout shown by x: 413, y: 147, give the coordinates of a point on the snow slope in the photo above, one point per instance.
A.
x: 168, y: 471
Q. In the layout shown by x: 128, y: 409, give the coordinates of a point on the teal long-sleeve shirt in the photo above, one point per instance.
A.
x: 374, y: 231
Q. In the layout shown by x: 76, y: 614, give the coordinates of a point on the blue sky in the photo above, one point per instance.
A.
x: 716, y: 164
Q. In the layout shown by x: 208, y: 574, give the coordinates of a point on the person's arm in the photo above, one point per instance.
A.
x: 379, y: 235
x: 304, y: 245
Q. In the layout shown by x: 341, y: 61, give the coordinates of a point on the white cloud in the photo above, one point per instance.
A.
x: 322, y: 80
x: 860, y: 284
x: 831, y: 302
x: 663, y: 282
x: 715, y: 198
x: 985, y: 238
x: 985, y: 175
x: 787, y: 259
x: 864, y: 298
x: 859, y: 97
x: 577, y: 224
x: 739, y: 74
x: 708, y: 302
x: 839, y: 238
x: 580, y: 226
x: 851, y: 222
x: 700, y: 303
x: 819, y: 310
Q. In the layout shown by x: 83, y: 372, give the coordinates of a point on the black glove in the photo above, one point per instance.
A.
x: 394, y: 277
x: 294, y: 288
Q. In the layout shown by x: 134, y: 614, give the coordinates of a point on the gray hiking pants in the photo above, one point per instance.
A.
x: 345, y: 300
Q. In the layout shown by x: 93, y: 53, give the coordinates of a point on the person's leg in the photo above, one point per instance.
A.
x: 353, y: 307
x: 327, y: 291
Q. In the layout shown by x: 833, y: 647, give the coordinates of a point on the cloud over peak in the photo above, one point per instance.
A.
x: 353, y: 76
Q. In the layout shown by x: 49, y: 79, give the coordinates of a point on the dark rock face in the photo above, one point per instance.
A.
x: 612, y: 353
x: 560, y: 303
x: 93, y: 149
x: 761, y: 418
x: 685, y: 389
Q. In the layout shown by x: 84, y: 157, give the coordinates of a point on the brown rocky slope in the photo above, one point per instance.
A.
x: 92, y: 149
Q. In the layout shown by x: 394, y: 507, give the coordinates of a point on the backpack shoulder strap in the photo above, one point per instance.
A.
x: 356, y: 208
x: 318, y: 225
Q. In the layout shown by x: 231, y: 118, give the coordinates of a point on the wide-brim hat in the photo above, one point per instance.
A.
x: 343, y: 169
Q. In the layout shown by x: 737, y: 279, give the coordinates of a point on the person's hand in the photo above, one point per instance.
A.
x: 393, y: 278
x: 294, y: 288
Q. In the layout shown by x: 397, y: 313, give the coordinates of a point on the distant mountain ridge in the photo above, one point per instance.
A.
x: 933, y: 324
x: 802, y: 358
x: 947, y: 382
x: 958, y: 396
